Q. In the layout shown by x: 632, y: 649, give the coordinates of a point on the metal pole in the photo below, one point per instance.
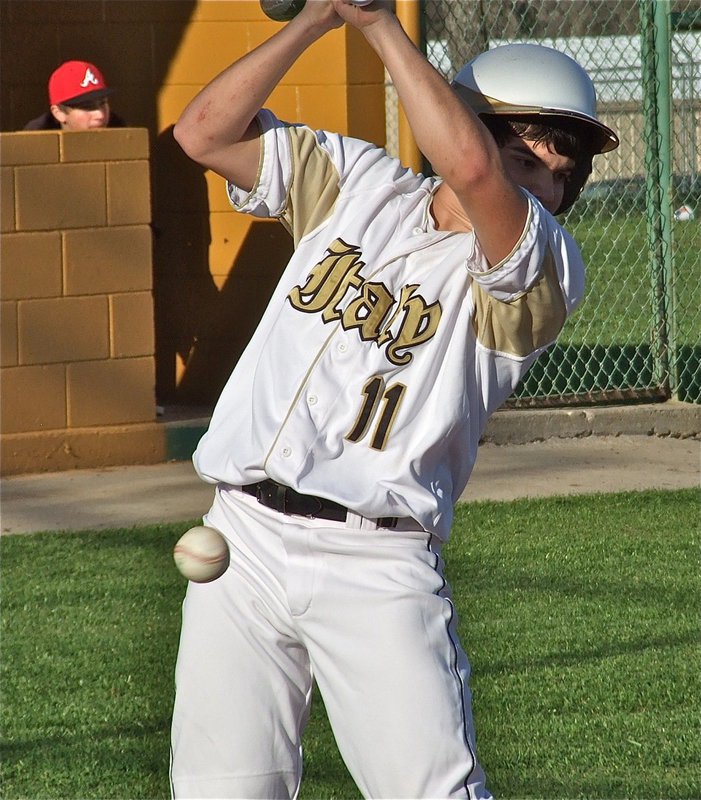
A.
x: 409, y: 14
x: 658, y: 159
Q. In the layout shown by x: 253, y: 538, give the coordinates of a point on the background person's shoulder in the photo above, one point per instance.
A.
x: 45, y: 122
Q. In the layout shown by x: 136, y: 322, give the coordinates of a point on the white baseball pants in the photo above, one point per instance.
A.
x: 367, y: 614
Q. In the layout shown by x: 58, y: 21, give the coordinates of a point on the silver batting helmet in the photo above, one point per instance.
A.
x: 533, y: 79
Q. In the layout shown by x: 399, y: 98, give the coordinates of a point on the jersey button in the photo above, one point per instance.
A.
x: 418, y: 231
x: 312, y: 399
x: 286, y: 452
x: 342, y: 347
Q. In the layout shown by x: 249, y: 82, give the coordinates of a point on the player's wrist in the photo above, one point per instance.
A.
x: 317, y: 18
x: 384, y: 27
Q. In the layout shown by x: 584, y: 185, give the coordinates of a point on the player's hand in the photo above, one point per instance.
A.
x: 320, y: 14
x: 363, y: 16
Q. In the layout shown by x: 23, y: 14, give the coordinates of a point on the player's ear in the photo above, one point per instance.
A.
x: 58, y: 114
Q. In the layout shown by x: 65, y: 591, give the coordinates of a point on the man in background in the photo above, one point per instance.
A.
x: 78, y: 101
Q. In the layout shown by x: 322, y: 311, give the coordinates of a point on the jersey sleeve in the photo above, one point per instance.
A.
x: 302, y: 173
x: 267, y: 197
x: 521, y: 304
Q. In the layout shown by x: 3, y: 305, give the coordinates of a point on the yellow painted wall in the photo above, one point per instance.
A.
x: 212, y: 269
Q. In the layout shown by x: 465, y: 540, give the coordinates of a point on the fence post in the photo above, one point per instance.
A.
x: 657, y: 89
x: 409, y: 14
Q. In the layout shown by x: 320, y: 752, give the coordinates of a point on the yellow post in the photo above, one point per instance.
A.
x: 409, y: 14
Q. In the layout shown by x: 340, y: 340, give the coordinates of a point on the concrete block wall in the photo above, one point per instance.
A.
x: 77, y: 368
x: 213, y: 269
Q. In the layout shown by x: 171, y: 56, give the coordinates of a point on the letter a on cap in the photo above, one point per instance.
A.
x: 89, y: 79
x: 76, y: 81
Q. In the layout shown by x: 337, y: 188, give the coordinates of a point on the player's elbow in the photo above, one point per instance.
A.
x: 472, y: 163
x: 467, y: 176
x: 189, y: 139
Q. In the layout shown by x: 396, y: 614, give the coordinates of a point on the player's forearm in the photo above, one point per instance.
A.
x: 449, y: 134
x: 221, y: 114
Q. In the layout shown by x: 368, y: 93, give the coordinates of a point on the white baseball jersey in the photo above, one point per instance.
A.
x: 387, y: 343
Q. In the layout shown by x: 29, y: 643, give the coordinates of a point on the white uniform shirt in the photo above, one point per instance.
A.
x: 386, y: 344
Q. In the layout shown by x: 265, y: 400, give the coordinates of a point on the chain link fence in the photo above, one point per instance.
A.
x: 637, y: 335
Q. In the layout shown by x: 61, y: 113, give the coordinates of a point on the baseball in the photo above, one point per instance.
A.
x: 684, y: 214
x: 201, y: 554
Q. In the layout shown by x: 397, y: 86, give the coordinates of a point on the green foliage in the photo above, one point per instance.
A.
x: 580, y: 616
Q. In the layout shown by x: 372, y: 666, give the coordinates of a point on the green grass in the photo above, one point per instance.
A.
x: 585, y: 644
x: 580, y: 616
x: 612, y: 342
x: 618, y: 305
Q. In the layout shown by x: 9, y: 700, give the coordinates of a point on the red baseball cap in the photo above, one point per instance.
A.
x: 76, y: 82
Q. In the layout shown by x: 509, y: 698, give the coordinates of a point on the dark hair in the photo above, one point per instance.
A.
x: 565, y: 135
x: 84, y: 105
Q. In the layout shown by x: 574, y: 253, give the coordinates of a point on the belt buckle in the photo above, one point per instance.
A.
x: 271, y: 495
x: 286, y: 500
x: 316, y: 513
x: 278, y: 496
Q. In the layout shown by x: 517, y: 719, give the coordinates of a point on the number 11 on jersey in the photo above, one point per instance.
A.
x: 374, y: 395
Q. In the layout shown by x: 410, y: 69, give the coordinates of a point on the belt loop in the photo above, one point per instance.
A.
x: 356, y: 521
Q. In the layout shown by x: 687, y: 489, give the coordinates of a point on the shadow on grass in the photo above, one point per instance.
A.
x: 577, y: 658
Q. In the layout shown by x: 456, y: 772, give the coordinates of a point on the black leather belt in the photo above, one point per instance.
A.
x: 286, y: 500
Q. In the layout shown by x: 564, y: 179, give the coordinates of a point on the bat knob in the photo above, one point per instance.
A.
x: 282, y: 10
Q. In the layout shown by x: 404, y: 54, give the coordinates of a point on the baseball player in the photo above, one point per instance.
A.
x: 408, y: 313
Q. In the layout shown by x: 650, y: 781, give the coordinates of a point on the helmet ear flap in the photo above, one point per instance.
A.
x: 575, y: 183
